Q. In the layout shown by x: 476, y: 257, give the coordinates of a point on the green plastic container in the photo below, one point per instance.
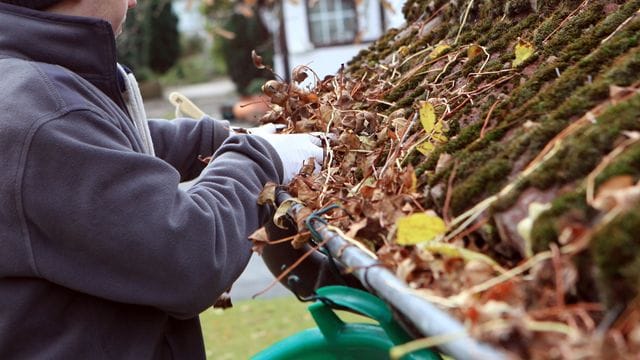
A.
x: 335, y: 339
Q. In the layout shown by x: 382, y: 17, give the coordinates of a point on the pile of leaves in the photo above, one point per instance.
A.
x: 489, y: 154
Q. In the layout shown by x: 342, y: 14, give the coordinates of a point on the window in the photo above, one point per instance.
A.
x: 332, y: 22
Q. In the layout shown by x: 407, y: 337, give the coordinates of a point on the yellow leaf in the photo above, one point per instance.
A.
x: 439, y: 50
x: 438, y: 137
x: 419, y: 227
x: 425, y: 148
x: 432, y: 126
x: 474, y: 50
x: 427, y: 116
x: 451, y: 250
x: 523, y: 51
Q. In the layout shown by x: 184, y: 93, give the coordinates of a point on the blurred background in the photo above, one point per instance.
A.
x: 202, y: 49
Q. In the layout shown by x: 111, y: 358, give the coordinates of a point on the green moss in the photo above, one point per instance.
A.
x: 574, y: 51
x: 489, y: 138
x: 548, y: 6
x: 357, y: 60
x: 466, y: 136
x: 614, y: 20
x: 626, y: 164
x: 549, y: 25
x: 500, y: 39
x: 582, y: 152
x: 491, y: 9
x: 487, y: 179
x: 572, y: 103
x: 408, y: 100
x: 431, y: 161
x: 616, y: 251
x: 515, y: 8
x: 400, y: 90
x: 575, y: 27
x: 545, y: 229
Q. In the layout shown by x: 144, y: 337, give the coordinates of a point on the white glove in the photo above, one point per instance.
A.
x: 264, y: 129
x: 294, y: 150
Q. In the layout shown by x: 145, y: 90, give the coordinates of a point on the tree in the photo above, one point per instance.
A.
x: 151, y: 41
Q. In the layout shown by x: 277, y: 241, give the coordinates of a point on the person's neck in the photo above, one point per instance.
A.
x: 67, y: 7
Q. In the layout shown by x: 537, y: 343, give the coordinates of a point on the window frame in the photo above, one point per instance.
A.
x: 332, y: 42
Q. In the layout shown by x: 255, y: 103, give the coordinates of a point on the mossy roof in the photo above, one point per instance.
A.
x: 534, y: 161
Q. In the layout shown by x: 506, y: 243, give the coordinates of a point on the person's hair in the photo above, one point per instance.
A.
x: 32, y: 4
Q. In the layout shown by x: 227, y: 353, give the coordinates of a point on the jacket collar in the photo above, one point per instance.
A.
x: 86, y: 46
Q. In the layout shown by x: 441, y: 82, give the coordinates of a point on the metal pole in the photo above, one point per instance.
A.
x: 427, y: 318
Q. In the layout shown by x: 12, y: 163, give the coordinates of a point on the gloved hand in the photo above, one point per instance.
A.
x: 294, y: 150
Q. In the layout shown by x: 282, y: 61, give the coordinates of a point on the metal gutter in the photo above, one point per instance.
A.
x: 426, y: 317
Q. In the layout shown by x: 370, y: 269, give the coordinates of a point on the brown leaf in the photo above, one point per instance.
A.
x: 300, y: 240
x: 283, y: 211
x: 268, y: 194
x: 299, y: 74
x: 355, y: 227
x: 301, y: 190
x: 223, y: 302
x: 257, y: 60
x: 301, y: 216
x: 618, y: 191
x: 259, y: 239
x: 308, y: 167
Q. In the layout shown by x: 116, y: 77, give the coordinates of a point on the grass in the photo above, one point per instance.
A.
x: 252, y: 325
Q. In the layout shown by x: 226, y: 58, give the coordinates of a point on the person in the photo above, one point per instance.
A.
x: 102, y: 254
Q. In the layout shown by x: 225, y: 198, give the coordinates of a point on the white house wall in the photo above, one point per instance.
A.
x: 393, y: 15
x: 324, y: 61
x: 327, y: 60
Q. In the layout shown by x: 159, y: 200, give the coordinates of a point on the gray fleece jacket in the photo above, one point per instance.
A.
x: 102, y: 256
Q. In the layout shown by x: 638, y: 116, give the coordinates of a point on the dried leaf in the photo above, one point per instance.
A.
x: 439, y: 50
x: 355, y: 227
x: 617, y: 193
x: 224, y: 301
x: 419, y: 227
x: 432, y: 126
x: 300, y: 240
x: 283, y: 211
x: 301, y: 190
x: 615, y: 183
x: 301, y: 215
x: 523, y: 51
x: 427, y: 116
x: 409, y: 180
x: 451, y: 250
x: 299, y: 74
x: 259, y: 239
x: 474, y: 50
x: 308, y: 167
x: 425, y: 148
x: 268, y: 194
x: 257, y: 60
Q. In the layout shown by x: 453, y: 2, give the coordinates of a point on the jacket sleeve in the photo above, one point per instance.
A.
x: 181, y: 141
x: 112, y: 223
